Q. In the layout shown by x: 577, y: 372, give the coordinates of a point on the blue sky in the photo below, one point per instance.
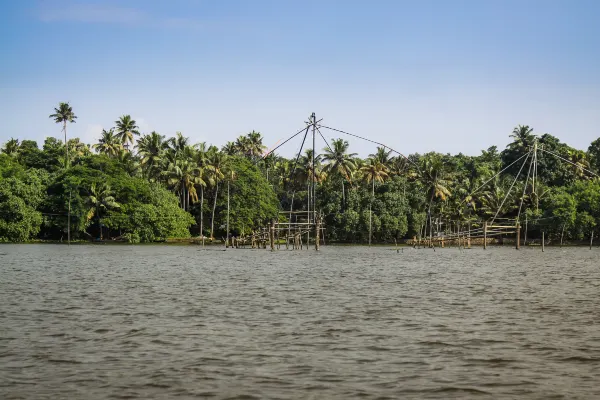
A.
x: 430, y: 75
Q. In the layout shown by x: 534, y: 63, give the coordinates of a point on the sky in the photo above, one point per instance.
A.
x: 428, y: 75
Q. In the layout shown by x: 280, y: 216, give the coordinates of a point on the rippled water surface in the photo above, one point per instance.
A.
x: 158, y: 322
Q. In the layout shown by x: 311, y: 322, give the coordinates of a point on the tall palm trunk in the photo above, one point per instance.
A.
x: 343, y: 193
x: 212, y: 220
x: 66, y: 167
x: 66, y: 144
x: 202, y: 212
x: 371, y: 212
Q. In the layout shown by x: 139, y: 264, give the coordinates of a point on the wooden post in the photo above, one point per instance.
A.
x: 518, y: 245
x: 543, y: 241
x: 484, y: 235
x: 317, y: 233
x: 591, y: 239
x: 469, y: 237
x: 272, y: 235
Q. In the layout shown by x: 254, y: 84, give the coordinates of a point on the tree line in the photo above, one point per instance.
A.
x: 144, y: 187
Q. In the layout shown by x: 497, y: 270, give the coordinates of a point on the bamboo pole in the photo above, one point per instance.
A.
x: 518, y: 227
x: 485, y: 235
x: 591, y: 239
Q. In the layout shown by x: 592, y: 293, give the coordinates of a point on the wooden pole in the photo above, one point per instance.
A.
x: 484, y: 235
x: 525, y: 240
x: 543, y: 241
x: 518, y: 228
x: 317, y: 233
x: 469, y: 237
x: 272, y: 236
x: 591, y: 240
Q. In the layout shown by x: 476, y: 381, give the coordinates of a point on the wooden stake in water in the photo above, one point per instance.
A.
x: 484, y: 235
x: 591, y: 240
x: 317, y: 233
x: 543, y: 240
x: 518, y: 247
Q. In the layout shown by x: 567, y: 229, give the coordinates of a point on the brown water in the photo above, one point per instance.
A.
x: 158, y: 322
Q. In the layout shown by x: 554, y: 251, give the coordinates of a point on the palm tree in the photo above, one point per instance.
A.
x: 11, y: 147
x: 63, y: 114
x: 151, y: 149
x: 579, y: 162
x: 242, y: 145
x: 283, y: 170
x: 493, y: 198
x: 432, y: 175
x: 230, y: 148
x: 100, y: 198
x: 523, y: 138
x: 373, y: 170
x: 382, y: 155
x: 78, y: 149
x: 339, y: 161
x: 108, y: 143
x: 216, y: 161
x: 179, y: 143
x: 183, y: 175
x: 205, y: 175
x: 269, y: 162
x: 126, y: 129
x: 129, y: 162
x: 255, y: 147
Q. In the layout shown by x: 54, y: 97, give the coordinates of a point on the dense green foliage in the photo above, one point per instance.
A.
x: 146, y: 187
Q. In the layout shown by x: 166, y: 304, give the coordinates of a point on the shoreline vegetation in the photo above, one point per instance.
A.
x: 144, y: 187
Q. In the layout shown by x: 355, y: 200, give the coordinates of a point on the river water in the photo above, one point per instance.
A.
x: 158, y: 322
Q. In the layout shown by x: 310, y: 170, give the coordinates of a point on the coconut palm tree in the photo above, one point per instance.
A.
x: 63, y: 114
x: 282, y: 171
x: 78, y: 149
x: 373, y: 170
x: 11, y: 147
x: 183, y: 175
x: 216, y: 161
x: 130, y: 163
x: 492, y: 199
x: 242, y: 145
x: 151, y: 149
x: 179, y: 143
x: 126, y: 129
x: 108, y: 143
x: 523, y: 138
x: 255, y: 147
x: 230, y: 148
x: 205, y: 174
x: 382, y: 155
x: 432, y: 175
x: 339, y: 161
x: 100, y: 199
x: 268, y: 162
x: 579, y: 163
